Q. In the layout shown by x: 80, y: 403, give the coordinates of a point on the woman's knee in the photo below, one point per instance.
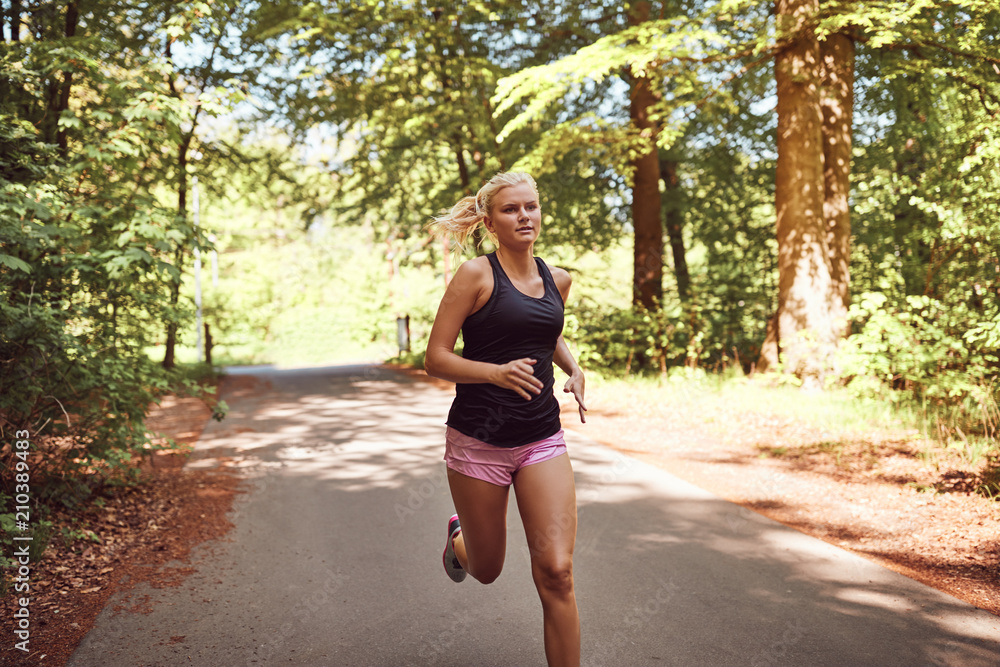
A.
x: 554, y: 576
x: 487, y: 577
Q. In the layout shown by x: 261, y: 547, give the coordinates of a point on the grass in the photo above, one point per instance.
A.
x: 732, y: 393
x: 850, y: 431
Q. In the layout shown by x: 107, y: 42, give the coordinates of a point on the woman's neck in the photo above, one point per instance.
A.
x: 518, y: 263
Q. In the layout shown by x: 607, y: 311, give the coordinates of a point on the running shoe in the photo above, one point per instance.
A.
x: 451, y: 565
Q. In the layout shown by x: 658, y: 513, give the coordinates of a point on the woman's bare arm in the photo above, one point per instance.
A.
x: 563, y: 358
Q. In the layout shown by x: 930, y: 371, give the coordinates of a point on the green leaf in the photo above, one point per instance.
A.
x: 14, y: 263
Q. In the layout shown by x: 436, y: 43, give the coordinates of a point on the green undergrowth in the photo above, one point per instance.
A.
x: 732, y: 393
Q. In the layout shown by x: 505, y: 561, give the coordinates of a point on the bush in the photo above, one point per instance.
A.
x: 622, y: 341
x: 941, y: 358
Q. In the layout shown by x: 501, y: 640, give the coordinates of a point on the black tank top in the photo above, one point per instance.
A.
x: 511, y: 325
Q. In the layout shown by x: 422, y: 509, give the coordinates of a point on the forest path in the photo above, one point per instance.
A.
x: 335, y: 559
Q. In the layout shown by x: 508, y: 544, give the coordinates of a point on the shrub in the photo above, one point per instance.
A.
x: 621, y: 341
x: 937, y: 356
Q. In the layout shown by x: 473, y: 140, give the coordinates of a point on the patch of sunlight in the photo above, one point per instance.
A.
x: 657, y: 538
x: 364, y: 473
x: 293, y: 452
x: 871, y: 598
x: 819, y: 560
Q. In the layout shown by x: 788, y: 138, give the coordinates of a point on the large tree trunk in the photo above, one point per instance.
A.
x: 805, y: 330
x: 674, y: 222
x: 837, y: 101
x: 647, y: 283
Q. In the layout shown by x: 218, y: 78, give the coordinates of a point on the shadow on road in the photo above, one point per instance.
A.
x: 335, y: 558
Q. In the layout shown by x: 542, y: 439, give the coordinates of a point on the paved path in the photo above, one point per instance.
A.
x: 335, y: 559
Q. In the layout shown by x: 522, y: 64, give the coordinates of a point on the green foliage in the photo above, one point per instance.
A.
x: 923, y: 352
x: 89, y: 239
x: 71, y: 326
x: 628, y: 340
x: 689, y: 47
x: 926, y: 208
x: 318, y: 296
x: 926, y: 203
x: 411, y: 104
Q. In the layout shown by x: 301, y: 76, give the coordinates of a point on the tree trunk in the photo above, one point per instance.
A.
x: 72, y: 19
x: 674, y: 221
x: 4, y: 81
x: 805, y: 329
x: 647, y: 283
x: 182, y: 183
x: 837, y: 100
x: 209, y: 344
x: 15, y: 20
x: 169, y: 360
x: 463, y: 167
x: 466, y: 182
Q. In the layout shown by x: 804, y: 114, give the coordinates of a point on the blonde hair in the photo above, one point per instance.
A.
x: 460, y: 221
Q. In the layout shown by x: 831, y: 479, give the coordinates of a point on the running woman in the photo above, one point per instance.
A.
x: 504, y: 427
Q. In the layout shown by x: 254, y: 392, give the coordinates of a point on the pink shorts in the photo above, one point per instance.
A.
x: 496, y: 465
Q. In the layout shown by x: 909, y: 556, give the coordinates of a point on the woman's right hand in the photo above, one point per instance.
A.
x: 518, y: 376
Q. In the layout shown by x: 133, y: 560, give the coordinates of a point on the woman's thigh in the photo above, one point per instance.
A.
x: 546, y: 500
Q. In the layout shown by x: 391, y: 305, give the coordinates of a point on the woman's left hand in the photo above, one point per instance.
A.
x: 575, y: 384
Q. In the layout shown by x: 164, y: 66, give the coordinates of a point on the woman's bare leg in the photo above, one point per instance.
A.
x: 482, y: 511
x: 546, y: 500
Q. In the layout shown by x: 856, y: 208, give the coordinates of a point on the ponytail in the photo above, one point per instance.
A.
x: 460, y: 221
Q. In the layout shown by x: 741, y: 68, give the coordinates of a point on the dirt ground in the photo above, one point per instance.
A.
x: 130, y: 534
x: 876, y: 494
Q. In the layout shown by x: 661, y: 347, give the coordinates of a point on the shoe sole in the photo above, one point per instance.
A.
x: 455, y: 573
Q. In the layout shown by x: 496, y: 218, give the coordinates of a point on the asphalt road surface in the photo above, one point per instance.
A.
x: 335, y: 559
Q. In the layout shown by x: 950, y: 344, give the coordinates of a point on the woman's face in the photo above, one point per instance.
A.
x: 516, y: 217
